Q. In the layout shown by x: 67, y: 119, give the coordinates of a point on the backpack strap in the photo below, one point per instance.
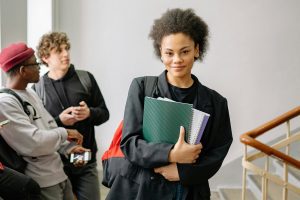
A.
x: 23, y: 103
x: 9, y: 156
x: 150, y: 85
x: 85, y: 80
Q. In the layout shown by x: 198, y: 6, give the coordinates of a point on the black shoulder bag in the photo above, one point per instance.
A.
x: 8, y: 156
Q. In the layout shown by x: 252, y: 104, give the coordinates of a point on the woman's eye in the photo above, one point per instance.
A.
x: 186, y: 51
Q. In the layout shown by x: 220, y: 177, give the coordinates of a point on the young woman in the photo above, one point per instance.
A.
x: 179, y: 171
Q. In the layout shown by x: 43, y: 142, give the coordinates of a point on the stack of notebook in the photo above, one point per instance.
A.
x: 163, y: 117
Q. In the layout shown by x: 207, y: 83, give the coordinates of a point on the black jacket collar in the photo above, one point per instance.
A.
x: 202, y: 101
x: 68, y: 75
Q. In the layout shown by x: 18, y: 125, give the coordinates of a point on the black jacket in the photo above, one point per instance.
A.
x: 137, y: 179
x: 68, y: 91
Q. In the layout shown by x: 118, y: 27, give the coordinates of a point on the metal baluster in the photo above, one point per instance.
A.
x: 244, y: 174
x: 285, y: 166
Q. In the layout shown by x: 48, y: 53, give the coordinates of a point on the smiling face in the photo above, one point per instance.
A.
x: 178, y: 52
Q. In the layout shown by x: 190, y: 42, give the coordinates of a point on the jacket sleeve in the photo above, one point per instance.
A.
x: 23, y: 136
x: 214, y: 150
x: 133, y: 145
x: 99, y: 112
x: 66, y: 148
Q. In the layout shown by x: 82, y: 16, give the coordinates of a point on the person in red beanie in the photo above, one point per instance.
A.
x: 36, y: 137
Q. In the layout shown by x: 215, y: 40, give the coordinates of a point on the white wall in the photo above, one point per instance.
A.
x: 253, y: 58
x: 12, y: 24
x: 13, y: 21
x: 40, y: 20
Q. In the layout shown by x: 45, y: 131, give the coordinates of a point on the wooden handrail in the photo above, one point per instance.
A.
x: 273, y: 123
x: 248, y: 138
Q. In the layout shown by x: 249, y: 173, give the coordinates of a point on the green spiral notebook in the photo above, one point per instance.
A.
x: 162, y: 120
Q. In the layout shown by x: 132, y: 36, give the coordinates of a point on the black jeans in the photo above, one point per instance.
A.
x: 17, y: 186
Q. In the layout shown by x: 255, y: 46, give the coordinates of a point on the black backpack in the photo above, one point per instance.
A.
x: 9, y: 157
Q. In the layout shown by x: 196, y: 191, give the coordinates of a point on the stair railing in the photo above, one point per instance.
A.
x: 263, y: 150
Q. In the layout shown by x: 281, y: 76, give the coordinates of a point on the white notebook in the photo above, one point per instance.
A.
x: 199, y: 121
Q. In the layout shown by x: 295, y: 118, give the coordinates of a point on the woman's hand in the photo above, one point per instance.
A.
x: 184, y: 152
x: 169, y: 172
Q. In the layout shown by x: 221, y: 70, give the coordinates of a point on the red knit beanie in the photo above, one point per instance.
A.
x: 13, y: 55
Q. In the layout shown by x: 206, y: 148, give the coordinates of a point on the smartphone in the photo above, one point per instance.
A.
x: 4, y: 122
x: 85, y: 156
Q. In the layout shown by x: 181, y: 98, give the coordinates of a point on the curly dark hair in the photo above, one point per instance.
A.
x: 180, y: 21
x: 49, y: 41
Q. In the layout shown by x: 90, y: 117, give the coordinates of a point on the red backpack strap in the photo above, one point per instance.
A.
x: 114, y: 148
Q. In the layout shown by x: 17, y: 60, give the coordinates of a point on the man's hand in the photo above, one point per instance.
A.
x: 74, y: 135
x: 67, y: 118
x: 81, y: 112
x: 79, y: 149
x: 169, y: 172
x: 184, y: 152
